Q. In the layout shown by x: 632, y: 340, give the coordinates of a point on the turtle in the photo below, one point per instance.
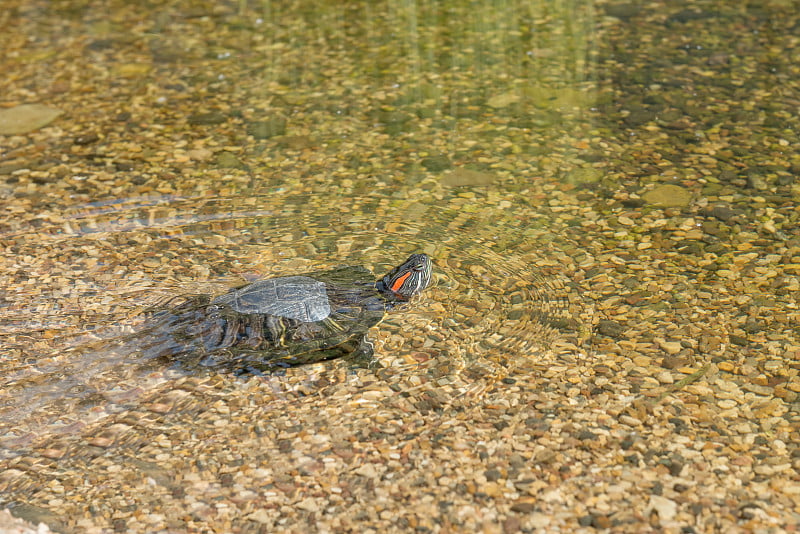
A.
x: 287, y: 321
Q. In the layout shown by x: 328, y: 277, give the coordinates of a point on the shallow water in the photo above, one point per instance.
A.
x: 482, y: 309
x: 520, y: 145
x: 150, y: 218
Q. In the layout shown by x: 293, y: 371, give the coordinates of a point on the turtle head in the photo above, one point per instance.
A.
x: 407, y: 279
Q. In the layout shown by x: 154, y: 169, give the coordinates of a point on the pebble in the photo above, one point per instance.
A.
x: 671, y: 347
x: 665, y: 377
x: 668, y: 195
x: 665, y: 508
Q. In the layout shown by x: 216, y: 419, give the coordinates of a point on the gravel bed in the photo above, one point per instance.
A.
x: 609, y: 194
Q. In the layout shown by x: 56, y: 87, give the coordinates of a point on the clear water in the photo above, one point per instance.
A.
x: 146, y: 209
x: 206, y: 144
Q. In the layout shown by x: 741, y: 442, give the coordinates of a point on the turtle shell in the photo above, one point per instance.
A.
x: 286, y: 321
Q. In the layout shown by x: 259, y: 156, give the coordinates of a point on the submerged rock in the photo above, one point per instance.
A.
x: 668, y: 196
x: 26, y: 118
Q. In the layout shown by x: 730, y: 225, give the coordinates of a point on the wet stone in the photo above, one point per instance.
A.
x: 265, y: 129
x: 668, y: 195
x: 436, y: 163
x: 467, y: 177
x: 738, y: 340
x: 584, y: 175
x: 26, y: 118
x: 524, y: 507
x: 209, y: 118
x: 600, y: 521
x: 622, y: 11
x: 610, y: 328
x: 226, y: 160
x: 85, y: 139
x: 295, y: 142
x: 638, y: 117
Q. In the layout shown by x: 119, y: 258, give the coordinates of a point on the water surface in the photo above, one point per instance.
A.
x: 607, y: 191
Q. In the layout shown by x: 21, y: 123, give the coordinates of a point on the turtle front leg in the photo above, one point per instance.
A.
x: 364, y: 355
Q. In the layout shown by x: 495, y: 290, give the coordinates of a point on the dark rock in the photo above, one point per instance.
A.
x: 637, y: 117
x: 524, y: 507
x: 492, y: 475
x: 123, y: 166
x: 738, y: 340
x: 610, y: 328
x: 85, y: 139
x: 753, y: 325
x: 436, y: 163
x: 675, y: 467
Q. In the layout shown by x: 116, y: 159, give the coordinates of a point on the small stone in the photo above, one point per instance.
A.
x: 265, y: 129
x: 668, y: 196
x: 624, y: 12
x: 738, y: 340
x: 610, y: 328
x: 226, y: 160
x: 673, y: 362
x: 367, y: 470
x: 503, y: 100
x: 524, y: 507
x: 670, y: 347
x: 85, y: 139
x: 466, y: 178
x: 260, y: 516
x: 583, y: 175
x: 728, y: 367
x: 629, y: 420
x: 53, y: 453
x: 539, y: 520
x: 492, y: 475
x: 131, y: 70
x: 601, y: 521
x: 665, y: 508
x: 295, y: 142
x: 517, y: 460
x: 665, y: 377
x: 210, y: 118
x: 512, y: 524
x: 436, y: 163
x: 309, y: 505
x: 723, y: 213
x: 101, y: 441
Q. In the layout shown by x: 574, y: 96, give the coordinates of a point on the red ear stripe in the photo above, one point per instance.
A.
x: 398, y: 283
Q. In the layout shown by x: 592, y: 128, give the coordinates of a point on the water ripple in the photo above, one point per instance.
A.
x: 497, y: 304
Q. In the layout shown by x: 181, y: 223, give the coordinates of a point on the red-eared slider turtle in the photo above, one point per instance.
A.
x: 292, y: 320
